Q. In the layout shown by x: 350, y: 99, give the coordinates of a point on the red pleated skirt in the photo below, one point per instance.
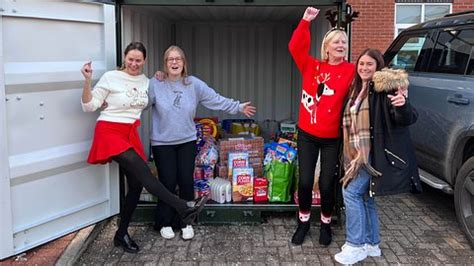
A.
x: 113, y: 138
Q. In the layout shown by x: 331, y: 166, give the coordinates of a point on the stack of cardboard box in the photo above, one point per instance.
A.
x: 251, y: 145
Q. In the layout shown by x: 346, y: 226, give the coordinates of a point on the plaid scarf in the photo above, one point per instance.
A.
x: 356, y: 134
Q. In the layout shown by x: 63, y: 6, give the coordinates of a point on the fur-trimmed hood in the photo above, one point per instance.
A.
x: 389, y: 80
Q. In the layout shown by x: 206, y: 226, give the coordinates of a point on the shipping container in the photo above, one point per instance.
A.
x: 47, y: 190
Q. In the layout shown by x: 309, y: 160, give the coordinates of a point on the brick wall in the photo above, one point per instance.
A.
x: 462, y: 5
x: 375, y: 28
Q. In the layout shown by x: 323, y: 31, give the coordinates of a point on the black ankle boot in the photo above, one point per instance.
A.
x: 325, y: 234
x: 193, y: 209
x: 127, y: 243
x: 300, y: 233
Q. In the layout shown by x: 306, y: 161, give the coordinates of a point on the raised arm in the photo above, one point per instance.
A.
x: 86, y: 71
x: 214, y: 101
x: 93, y: 99
x: 300, y: 41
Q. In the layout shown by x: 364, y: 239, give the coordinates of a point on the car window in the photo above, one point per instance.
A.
x: 470, y: 67
x: 453, y: 52
x: 408, y: 52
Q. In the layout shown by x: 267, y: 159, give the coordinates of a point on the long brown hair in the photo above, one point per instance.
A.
x: 356, y: 86
x: 180, y: 51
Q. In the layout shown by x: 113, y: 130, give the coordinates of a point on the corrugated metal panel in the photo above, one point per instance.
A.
x: 249, y: 62
x: 226, y: 13
x: 241, y: 52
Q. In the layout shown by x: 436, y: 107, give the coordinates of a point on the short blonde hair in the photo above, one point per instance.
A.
x: 328, y: 37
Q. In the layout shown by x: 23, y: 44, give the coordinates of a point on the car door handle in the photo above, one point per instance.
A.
x: 458, y: 99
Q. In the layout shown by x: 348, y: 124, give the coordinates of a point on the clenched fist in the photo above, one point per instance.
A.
x: 310, y: 13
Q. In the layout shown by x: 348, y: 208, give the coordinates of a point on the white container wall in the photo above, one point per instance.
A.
x: 46, y: 187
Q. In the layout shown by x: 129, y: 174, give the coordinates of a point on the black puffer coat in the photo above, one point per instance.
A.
x: 392, y: 151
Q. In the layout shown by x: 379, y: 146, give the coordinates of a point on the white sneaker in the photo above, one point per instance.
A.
x: 373, y: 250
x: 350, y: 254
x: 187, y: 232
x: 167, y: 232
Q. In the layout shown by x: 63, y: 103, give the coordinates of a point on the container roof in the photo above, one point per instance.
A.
x: 228, y: 13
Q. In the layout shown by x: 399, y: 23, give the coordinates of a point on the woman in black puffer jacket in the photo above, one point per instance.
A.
x: 378, y: 154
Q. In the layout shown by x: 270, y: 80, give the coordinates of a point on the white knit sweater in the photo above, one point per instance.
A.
x: 126, y: 97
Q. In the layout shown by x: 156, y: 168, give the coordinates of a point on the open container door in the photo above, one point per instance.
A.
x: 239, y: 48
x: 47, y: 189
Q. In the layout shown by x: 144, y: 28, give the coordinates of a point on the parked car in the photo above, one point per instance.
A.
x: 439, y: 56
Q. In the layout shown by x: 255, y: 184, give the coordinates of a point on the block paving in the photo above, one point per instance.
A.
x: 415, y: 229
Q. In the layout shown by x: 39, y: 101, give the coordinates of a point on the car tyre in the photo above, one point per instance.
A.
x: 464, y: 198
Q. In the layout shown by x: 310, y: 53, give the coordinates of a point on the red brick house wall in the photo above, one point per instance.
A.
x: 463, y: 5
x: 375, y: 25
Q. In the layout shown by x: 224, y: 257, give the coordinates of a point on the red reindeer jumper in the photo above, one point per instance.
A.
x: 324, y: 87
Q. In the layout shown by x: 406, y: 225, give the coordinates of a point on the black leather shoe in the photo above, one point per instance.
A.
x: 300, y: 233
x: 126, y: 243
x: 194, y: 208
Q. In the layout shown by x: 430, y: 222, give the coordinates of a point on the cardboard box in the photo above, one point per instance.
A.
x: 252, y: 145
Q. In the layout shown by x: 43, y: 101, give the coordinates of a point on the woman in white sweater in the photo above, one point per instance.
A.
x: 116, y: 137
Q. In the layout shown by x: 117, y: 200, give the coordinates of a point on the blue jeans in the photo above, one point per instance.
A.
x: 362, y: 224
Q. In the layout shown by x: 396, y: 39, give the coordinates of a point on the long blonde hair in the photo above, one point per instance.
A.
x: 180, y: 51
x: 328, y: 37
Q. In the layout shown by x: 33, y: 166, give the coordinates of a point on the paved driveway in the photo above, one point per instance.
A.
x: 416, y: 229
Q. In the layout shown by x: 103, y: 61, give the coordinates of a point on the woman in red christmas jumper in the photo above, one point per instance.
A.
x: 116, y: 137
x: 325, y: 86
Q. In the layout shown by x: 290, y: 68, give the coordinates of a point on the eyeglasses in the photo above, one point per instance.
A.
x: 174, y: 59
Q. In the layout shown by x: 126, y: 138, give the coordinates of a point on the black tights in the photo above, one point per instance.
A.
x: 138, y: 176
x: 308, y: 152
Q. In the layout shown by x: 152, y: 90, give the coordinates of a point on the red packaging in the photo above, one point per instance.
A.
x: 315, y: 197
x: 260, y: 189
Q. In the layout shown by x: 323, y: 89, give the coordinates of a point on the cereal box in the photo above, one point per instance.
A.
x: 242, y: 184
x: 237, y: 160
x: 222, y: 170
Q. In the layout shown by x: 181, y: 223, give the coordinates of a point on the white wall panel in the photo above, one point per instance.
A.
x: 85, y: 42
x: 58, y: 10
x: 47, y: 188
x: 29, y: 213
x: 43, y: 113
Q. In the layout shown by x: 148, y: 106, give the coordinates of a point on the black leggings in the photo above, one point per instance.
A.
x: 308, y: 152
x: 138, y: 176
x: 175, y: 166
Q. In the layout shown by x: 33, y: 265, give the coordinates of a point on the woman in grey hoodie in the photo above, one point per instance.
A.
x: 173, y: 133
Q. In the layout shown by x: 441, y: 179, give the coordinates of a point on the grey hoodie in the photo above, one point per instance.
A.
x: 174, y: 108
